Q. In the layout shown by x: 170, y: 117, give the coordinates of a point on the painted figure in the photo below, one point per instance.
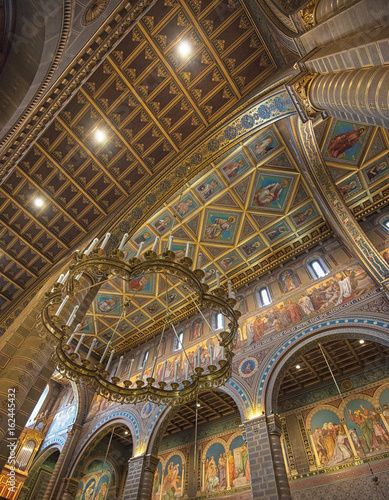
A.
x: 231, y: 170
x: 262, y: 147
x: 138, y: 284
x: 184, y: 206
x: 231, y: 468
x: 301, y: 217
x: 207, y: 189
x: 345, y: 189
x: 215, y: 229
x: 107, y: 305
x: 213, y: 476
x: 376, y: 170
x: 250, y: 248
x: 361, y: 418
x: 162, y: 224
x: 266, y: 195
x: 142, y: 238
x: 228, y: 261
x: 342, y: 142
x: 222, y: 471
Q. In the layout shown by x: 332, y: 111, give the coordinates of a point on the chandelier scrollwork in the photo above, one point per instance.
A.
x: 100, y: 266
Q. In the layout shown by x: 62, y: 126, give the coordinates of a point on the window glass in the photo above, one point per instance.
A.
x: 177, y: 343
x: 318, y: 269
x: 38, y: 406
x: 264, y: 296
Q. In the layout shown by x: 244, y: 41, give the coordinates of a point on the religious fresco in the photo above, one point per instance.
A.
x: 172, y: 482
x: 345, y: 141
x: 186, y: 205
x: 350, y: 186
x: 231, y: 260
x: 277, y: 231
x: 263, y: 145
x: 288, y: 280
x: 384, y: 402
x: 196, y: 330
x: 157, y: 482
x: 96, y: 481
x: 163, y: 223
x: 225, y: 468
x: 220, y: 226
x: 147, y: 410
x: 235, y: 167
x: 108, y: 304
x: 154, y: 307
x: 64, y: 417
x: 144, y: 284
x: 144, y: 236
x: 207, y: 189
x: 248, y: 367
x: 253, y: 246
x: 304, y: 214
x: 271, y: 191
x: 377, y: 170
x: 323, y: 296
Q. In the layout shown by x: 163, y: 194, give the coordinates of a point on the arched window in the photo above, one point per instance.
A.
x: 264, y: 296
x: 386, y: 224
x: 219, y: 321
x: 38, y: 406
x: 145, y: 357
x: 177, y: 342
x: 317, y: 268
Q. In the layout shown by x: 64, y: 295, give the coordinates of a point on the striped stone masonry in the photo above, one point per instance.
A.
x: 140, y: 477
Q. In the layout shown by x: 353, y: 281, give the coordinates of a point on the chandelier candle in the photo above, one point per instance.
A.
x: 170, y: 242
x: 187, y: 249
x: 195, y: 361
x: 59, y: 310
x: 130, y: 370
x: 199, y: 356
x: 153, y: 368
x: 155, y: 245
x: 72, y: 316
x: 70, y: 339
x: 105, y: 352
x: 59, y: 280
x: 91, y: 246
x: 110, y: 360
x: 105, y: 241
x: 210, y: 355
x: 92, y: 346
x: 65, y: 278
x: 175, y: 372
x: 123, y: 242
x: 117, y: 371
x: 164, y: 370
x: 217, y: 279
x: 187, y: 370
x: 139, y: 249
x: 229, y: 289
x: 79, y: 343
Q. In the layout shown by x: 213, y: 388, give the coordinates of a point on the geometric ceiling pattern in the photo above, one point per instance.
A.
x: 361, y: 171
x: 152, y: 102
x: 243, y: 207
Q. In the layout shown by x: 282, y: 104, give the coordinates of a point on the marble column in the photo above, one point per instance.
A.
x: 268, y: 475
x: 140, y: 477
x: 63, y: 462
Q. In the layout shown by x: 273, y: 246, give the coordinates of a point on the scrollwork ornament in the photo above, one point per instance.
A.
x: 93, y: 11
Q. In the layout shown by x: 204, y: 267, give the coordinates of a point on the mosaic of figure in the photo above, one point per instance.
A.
x: 163, y: 223
x: 140, y: 283
x: 156, y: 491
x: 288, y: 280
x: 235, y: 167
x: 209, y: 187
x: 304, y: 214
x: 376, y: 171
x: 262, y: 146
x: 196, y: 329
x: 186, y: 205
x: 345, y: 141
x: 349, y: 186
x: 172, y: 480
x: 219, y: 227
x: 97, y: 479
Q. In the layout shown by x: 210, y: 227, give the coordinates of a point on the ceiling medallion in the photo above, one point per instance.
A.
x: 97, y: 266
x: 93, y: 11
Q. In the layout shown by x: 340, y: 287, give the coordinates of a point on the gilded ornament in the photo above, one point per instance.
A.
x: 93, y: 11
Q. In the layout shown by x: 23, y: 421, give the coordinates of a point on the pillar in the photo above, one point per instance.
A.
x: 327, y: 195
x: 70, y: 488
x: 26, y: 363
x: 360, y: 95
x: 139, y: 485
x: 63, y: 462
x: 269, y: 480
x: 329, y: 8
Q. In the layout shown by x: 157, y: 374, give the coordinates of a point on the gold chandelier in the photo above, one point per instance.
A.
x: 100, y: 265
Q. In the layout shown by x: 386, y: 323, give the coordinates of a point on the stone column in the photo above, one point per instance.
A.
x: 269, y: 480
x: 140, y: 477
x: 359, y: 93
x: 26, y: 363
x: 63, y: 462
x: 70, y: 488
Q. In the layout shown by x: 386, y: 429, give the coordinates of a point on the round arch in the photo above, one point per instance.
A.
x: 160, y: 421
x: 100, y: 430
x: 368, y: 329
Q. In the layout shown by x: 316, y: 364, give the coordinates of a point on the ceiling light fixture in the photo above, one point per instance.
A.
x: 99, y: 135
x: 184, y: 48
x: 38, y: 202
x: 361, y: 341
x: 203, y: 372
x: 298, y: 367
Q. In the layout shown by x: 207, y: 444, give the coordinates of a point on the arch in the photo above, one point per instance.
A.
x: 160, y: 421
x: 368, y: 329
x: 218, y: 440
x: 377, y: 395
x: 102, y: 428
x: 316, y: 409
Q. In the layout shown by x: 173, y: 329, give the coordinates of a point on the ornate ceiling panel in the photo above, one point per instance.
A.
x: 151, y: 102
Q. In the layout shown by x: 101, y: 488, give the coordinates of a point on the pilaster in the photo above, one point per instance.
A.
x: 140, y: 477
x: 269, y: 480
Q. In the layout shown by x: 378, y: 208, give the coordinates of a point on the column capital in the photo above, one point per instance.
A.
x: 149, y: 462
x: 70, y: 485
x: 298, y: 89
x: 274, y: 424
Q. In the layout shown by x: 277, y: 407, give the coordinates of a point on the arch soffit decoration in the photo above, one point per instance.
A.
x: 103, y: 428
x: 41, y: 458
x: 368, y: 329
x: 158, y: 424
